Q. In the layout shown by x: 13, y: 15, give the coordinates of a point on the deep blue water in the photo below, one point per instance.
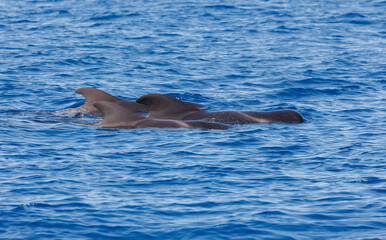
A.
x: 62, y: 178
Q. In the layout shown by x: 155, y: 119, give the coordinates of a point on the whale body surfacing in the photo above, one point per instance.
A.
x: 116, y: 116
x: 92, y: 95
x: 166, y: 107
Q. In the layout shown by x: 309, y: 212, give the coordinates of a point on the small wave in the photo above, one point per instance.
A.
x: 285, y: 29
x: 112, y: 16
x: 22, y: 21
x: 29, y: 68
x: 221, y: 7
x: 352, y: 15
x: 352, y: 18
x: 323, y: 217
x: 371, y: 180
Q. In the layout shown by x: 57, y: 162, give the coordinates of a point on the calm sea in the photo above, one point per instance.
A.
x: 63, y: 178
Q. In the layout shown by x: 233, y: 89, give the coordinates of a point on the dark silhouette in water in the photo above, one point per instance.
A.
x: 116, y: 116
x: 161, y: 107
x: 92, y: 95
x: 166, y: 107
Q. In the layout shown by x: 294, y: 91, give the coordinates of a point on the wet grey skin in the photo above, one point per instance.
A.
x: 166, y: 107
x: 116, y: 116
x: 92, y: 95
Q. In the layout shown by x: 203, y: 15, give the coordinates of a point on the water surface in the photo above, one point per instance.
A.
x: 62, y: 178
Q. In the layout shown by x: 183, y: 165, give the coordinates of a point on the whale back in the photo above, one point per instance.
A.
x: 286, y: 116
x: 163, y: 106
x: 114, y: 114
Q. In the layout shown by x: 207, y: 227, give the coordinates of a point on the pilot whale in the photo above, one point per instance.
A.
x: 93, y: 95
x: 166, y: 107
x: 116, y: 116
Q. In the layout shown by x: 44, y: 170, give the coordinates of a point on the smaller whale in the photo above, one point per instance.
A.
x: 166, y: 107
x: 116, y: 116
x: 93, y: 95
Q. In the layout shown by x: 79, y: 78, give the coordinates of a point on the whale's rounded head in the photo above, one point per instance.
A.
x: 164, y: 106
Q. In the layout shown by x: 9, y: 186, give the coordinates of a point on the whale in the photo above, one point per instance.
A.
x: 92, y: 95
x: 117, y: 116
x: 166, y: 107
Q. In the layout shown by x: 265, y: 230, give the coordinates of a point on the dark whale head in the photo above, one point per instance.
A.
x: 164, y: 106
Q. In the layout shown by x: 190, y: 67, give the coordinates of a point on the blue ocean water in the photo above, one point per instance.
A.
x: 62, y: 178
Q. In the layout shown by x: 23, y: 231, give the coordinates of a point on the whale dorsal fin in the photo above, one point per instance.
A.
x: 93, y: 95
x: 114, y: 113
x: 162, y: 106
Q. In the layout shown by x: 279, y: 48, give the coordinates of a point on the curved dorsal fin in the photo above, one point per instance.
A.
x: 114, y: 113
x: 163, y: 106
x: 93, y: 95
